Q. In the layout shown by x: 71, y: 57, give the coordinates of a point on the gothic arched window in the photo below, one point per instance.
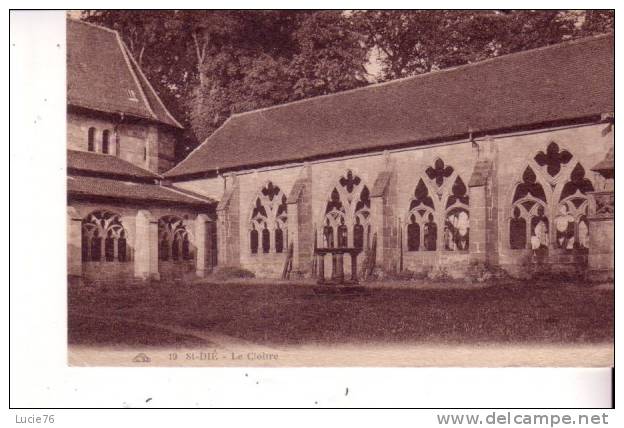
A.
x: 253, y: 239
x: 173, y: 238
x: 91, y: 139
x: 346, y: 220
x: 570, y: 223
x: 279, y: 240
x: 430, y: 234
x: 105, y: 141
x: 343, y: 232
x: 413, y: 234
x: 163, y: 249
x: 96, y: 247
x: 268, y: 228
x: 552, y: 201
x: 328, y: 234
x: 517, y: 230
x: 421, y: 227
x: 457, y: 223
x: 102, y: 236
x: 109, y: 247
x: 529, y: 208
x: 122, y: 246
x: 175, y: 248
x: 540, y: 229
x: 186, y: 248
x: 266, y: 239
x: 358, y: 234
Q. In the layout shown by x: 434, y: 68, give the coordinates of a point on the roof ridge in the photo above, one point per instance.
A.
x: 99, y: 27
x: 125, y: 53
x: 146, y: 80
x: 430, y: 73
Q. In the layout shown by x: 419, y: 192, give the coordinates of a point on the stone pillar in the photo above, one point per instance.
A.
x: 293, y: 234
x: 383, y: 220
x: 478, y: 224
x: 601, y: 262
x: 377, y: 226
x: 482, y: 210
x: 74, y: 243
x: 146, y: 246
x: 203, y: 245
x: 300, y: 228
x: 228, y: 223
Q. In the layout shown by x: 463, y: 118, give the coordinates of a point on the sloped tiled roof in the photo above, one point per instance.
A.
x: 101, y: 164
x: 129, y: 190
x: 102, y: 75
x: 563, y: 82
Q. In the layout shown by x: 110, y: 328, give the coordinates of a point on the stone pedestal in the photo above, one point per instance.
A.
x: 601, y: 262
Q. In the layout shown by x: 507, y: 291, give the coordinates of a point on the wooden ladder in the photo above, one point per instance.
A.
x: 370, y: 259
x: 288, y: 262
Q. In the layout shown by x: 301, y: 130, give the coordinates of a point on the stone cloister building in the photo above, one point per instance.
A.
x: 488, y: 162
x: 124, y: 221
x: 493, y: 162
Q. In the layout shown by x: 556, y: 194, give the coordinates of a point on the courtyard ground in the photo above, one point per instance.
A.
x: 505, y: 324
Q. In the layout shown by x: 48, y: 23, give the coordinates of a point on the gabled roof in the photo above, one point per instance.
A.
x: 105, y: 165
x: 96, y: 175
x: 102, y: 75
x: 97, y: 187
x: 554, y: 84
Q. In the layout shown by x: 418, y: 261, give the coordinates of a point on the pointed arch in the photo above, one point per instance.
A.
x: 550, y: 202
x: 346, y: 214
x: 174, y: 242
x: 421, y: 228
x: 268, y: 223
x: 457, y: 218
x: 571, y: 227
x: 104, y: 237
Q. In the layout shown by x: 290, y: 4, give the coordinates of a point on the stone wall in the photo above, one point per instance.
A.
x: 148, y: 146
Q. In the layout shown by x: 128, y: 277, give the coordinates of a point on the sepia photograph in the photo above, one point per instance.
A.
x: 340, y: 188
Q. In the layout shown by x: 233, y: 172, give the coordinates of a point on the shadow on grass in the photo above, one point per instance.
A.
x: 292, y: 314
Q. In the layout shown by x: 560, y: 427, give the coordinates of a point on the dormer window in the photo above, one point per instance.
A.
x: 91, y: 140
x: 132, y: 95
x: 105, y: 141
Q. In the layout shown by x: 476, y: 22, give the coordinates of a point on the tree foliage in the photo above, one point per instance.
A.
x: 413, y: 42
x: 208, y: 65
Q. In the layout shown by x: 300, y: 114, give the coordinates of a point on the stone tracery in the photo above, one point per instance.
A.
x: 269, y: 221
x: 553, y: 192
x: 104, y: 238
x: 173, y: 239
x: 451, y: 210
x: 346, y: 220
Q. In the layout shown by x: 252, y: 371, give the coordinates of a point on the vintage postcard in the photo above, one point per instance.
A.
x: 340, y: 188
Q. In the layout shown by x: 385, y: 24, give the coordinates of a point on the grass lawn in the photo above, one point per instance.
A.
x: 292, y: 314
